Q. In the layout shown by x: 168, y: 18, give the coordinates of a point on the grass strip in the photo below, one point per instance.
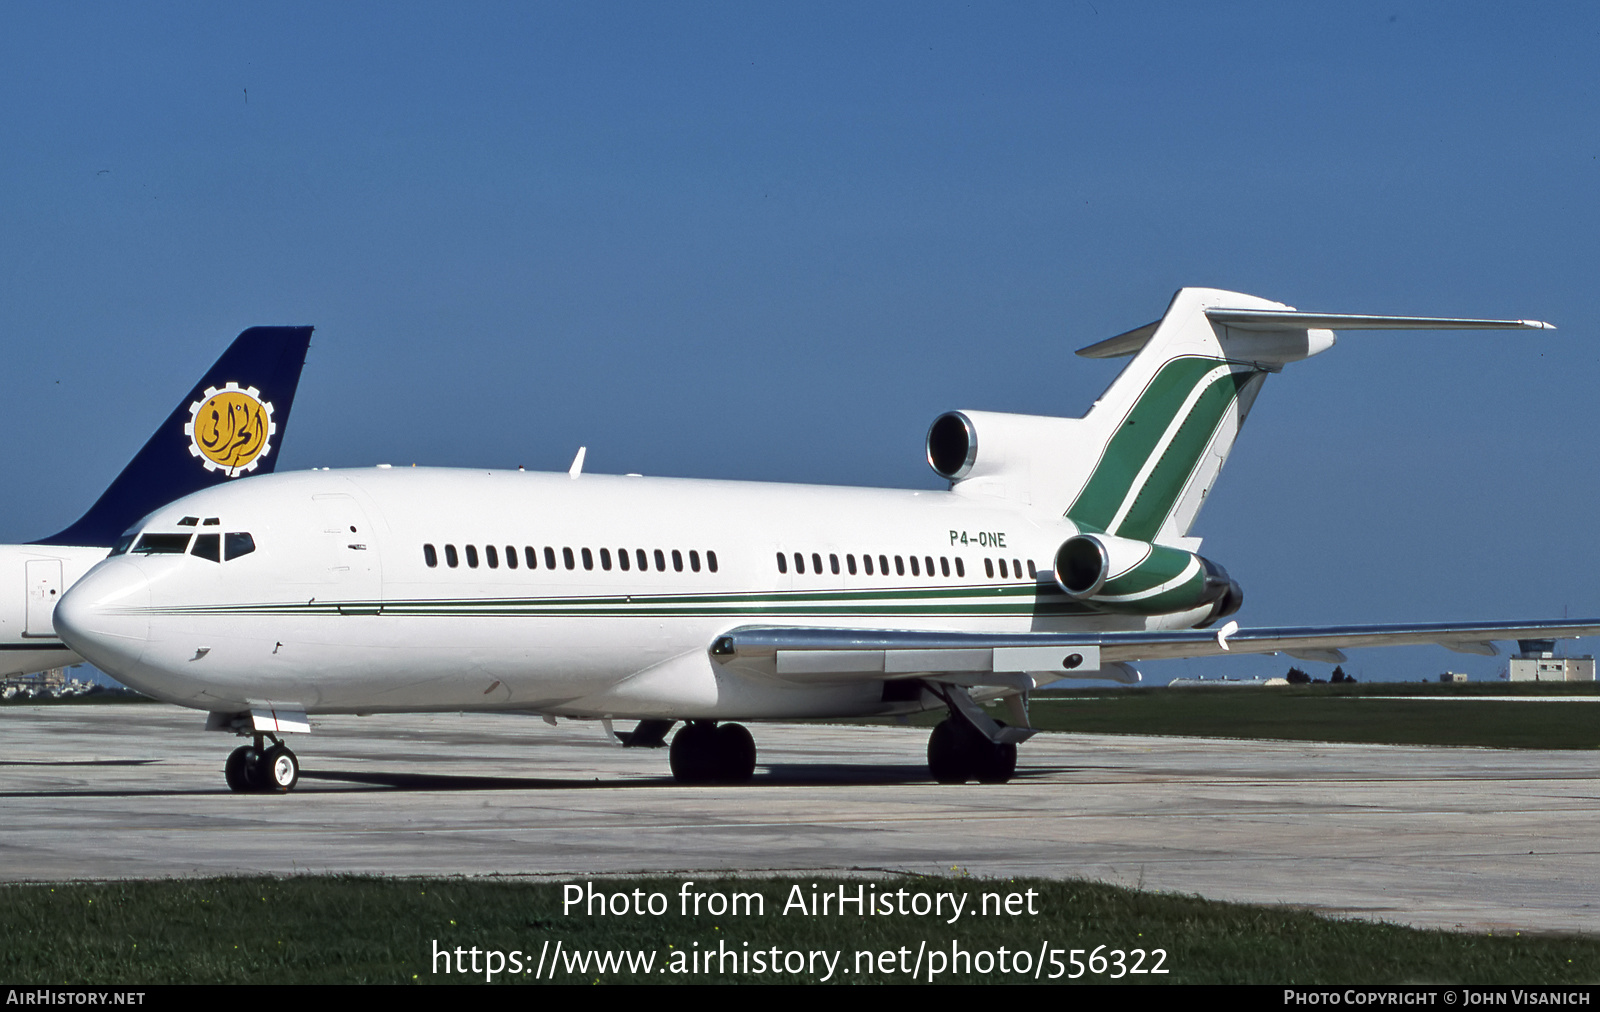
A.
x: 1535, y: 716
x: 1306, y: 714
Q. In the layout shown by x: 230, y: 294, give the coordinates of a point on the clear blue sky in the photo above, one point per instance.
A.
x: 775, y: 241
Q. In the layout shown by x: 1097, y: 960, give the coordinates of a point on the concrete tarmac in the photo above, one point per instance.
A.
x: 1440, y: 837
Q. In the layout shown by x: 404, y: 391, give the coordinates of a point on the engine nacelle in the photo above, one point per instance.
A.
x: 1130, y: 577
x: 999, y: 454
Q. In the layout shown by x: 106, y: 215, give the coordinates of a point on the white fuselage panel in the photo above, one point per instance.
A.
x: 337, y: 608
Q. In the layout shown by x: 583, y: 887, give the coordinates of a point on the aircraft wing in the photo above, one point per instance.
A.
x: 1018, y: 659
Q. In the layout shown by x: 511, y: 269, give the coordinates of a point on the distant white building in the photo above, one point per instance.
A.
x: 1537, y: 662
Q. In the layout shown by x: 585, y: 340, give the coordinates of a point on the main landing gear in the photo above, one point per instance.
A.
x: 958, y: 753
x: 971, y: 745
x: 705, y: 753
x: 259, y: 768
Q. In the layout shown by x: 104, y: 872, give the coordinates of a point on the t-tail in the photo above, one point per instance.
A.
x: 231, y: 424
x: 1134, y: 471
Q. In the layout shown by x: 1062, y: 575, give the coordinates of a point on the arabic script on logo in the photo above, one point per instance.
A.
x: 230, y: 430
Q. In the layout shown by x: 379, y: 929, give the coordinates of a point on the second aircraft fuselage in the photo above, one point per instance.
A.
x: 37, y: 576
x: 396, y: 589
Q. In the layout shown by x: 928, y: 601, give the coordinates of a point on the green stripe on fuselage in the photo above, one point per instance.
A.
x: 1136, y: 439
x: 1014, y: 599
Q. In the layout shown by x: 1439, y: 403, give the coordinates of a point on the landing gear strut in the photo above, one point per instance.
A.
x: 261, y: 768
x: 705, y: 753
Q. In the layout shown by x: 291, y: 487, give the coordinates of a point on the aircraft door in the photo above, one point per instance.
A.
x: 347, y: 541
x: 44, y: 590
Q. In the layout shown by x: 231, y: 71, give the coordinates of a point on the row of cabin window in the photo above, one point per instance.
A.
x: 569, y: 558
x: 917, y: 568
x: 1014, y: 573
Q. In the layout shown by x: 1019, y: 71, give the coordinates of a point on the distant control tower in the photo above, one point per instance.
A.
x: 1536, y: 661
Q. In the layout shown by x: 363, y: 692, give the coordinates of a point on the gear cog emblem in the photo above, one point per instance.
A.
x: 230, y: 429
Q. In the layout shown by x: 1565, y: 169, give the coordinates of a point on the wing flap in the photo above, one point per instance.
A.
x: 819, y: 654
x: 984, y: 664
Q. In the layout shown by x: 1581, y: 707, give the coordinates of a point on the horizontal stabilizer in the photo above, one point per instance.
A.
x: 1127, y: 343
x: 1272, y: 319
x: 1268, y: 320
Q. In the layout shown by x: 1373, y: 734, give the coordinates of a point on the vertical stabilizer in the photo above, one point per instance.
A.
x: 1164, y: 428
x: 230, y: 424
x: 1168, y: 422
x: 1140, y: 464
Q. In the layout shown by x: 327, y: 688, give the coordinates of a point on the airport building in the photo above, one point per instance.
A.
x: 1536, y: 661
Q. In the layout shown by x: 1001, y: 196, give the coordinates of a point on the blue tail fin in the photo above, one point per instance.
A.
x: 231, y: 424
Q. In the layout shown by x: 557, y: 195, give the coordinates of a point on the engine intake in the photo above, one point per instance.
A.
x: 952, y: 445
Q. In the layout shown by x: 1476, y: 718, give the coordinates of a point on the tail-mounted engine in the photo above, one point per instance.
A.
x: 1138, y: 578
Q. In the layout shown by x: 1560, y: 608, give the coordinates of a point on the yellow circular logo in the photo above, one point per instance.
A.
x: 231, y: 429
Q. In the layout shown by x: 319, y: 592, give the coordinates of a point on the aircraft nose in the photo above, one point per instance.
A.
x: 102, y: 617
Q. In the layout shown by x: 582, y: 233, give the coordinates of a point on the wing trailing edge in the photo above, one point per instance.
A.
x: 809, y: 654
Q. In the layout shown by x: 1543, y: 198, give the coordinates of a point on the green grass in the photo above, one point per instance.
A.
x: 358, y: 930
x: 1345, y: 713
x: 1340, y: 713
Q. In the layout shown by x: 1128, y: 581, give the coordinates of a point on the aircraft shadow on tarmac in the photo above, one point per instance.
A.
x: 775, y: 775
x: 353, y: 781
x: 77, y: 762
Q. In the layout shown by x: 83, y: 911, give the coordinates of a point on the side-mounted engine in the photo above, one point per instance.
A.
x: 1129, y: 577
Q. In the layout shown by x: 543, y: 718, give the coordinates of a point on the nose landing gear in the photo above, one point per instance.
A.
x: 261, y: 769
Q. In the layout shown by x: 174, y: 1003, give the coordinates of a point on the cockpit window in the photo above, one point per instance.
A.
x: 238, y: 544
x: 122, y: 545
x: 207, y: 546
x: 162, y: 544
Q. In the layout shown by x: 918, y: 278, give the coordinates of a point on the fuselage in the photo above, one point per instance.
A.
x: 402, y: 589
x: 36, y: 576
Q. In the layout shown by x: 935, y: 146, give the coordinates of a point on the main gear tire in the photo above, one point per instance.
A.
x: 693, y: 754
x: 736, y: 754
x: 950, y: 752
x: 237, y: 770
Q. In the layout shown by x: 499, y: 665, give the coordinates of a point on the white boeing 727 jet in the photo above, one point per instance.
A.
x: 1062, y: 548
